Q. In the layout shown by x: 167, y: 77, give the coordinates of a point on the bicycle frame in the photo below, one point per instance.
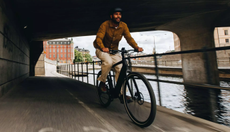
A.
x: 132, y: 84
x: 122, y: 76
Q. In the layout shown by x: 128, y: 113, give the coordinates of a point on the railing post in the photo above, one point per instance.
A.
x: 60, y: 69
x: 78, y: 70
x: 71, y: 67
x: 68, y: 69
x: 157, y: 75
x: 87, y: 72
x: 74, y: 70
x: 82, y: 72
x: 93, y: 74
x: 65, y: 69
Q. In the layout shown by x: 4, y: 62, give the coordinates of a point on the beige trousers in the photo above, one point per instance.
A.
x: 108, y: 60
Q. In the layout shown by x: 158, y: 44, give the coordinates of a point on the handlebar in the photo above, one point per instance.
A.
x: 122, y: 51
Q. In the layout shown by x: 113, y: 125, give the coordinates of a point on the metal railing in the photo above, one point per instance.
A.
x: 78, y: 70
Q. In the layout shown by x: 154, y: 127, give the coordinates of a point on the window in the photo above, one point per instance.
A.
x: 68, y: 50
x: 50, y: 56
x: 227, y: 40
x: 65, y: 50
x: 225, y: 32
x: 57, y: 46
x: 61, y: 55
x: 68, y: 55
x: 61, y: 50
x: 57, y: 50
x: 50, y: 50
x: 54, y: 56
x: 53, y: 50
x: 65, y: 55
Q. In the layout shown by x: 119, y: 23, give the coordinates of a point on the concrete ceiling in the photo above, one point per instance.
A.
x: 49, y: 19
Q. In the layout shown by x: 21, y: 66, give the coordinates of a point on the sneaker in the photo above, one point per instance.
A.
x: 128, y: 98
x: 102, y: 86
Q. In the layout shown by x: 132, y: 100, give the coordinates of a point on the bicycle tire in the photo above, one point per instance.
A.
x: 104, y: 98
x: 143, y: 99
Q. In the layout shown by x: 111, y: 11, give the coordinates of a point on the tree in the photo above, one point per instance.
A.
x: 88, y: 58
x: 78, y: 56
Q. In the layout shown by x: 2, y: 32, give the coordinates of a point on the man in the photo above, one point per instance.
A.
x: 108, y: 38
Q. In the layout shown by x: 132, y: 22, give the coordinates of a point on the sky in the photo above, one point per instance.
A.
x: 163, y: 41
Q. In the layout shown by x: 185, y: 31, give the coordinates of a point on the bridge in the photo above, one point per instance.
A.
x: 25, y: 24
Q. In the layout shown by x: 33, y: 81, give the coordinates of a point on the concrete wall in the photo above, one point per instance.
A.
x: 196, y: 32
x: 36, y: 48
x: 14, y: 51
x: 40, y: 66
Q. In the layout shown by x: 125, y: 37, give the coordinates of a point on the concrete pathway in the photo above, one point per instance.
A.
x: 61, y: 104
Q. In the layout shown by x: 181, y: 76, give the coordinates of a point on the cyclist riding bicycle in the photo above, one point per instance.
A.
x: 108, y: 38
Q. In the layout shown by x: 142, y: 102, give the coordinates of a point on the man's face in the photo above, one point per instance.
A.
x: 116, y: 17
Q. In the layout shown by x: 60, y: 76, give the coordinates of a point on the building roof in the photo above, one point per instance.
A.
x: 60, y: 41
x: 81, y: 49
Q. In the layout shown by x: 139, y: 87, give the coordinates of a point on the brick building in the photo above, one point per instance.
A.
x: 60, y: 50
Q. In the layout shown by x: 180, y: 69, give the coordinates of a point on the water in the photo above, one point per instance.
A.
x: 212, y: 105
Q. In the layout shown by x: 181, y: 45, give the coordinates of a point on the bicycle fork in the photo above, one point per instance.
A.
x: 137, y: 95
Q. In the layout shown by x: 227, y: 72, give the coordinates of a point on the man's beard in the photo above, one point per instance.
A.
x: 114, y: 20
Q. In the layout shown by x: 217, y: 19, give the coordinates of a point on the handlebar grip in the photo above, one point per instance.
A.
x: 136, y: 50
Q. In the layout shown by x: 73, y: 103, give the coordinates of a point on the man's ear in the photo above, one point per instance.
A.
x: 111, y: 16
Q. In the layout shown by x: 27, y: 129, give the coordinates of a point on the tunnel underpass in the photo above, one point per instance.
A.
x: 24, y: 25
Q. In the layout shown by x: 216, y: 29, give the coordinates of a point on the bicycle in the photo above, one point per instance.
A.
x: 142, y: 108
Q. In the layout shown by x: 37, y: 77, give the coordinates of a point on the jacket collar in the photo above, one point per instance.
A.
x: 111, y: 24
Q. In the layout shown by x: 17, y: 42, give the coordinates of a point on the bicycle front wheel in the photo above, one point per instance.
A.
x: 141, y: 108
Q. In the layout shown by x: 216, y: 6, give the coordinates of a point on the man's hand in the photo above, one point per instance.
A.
x: 105, y: 50
x: 139, y: 49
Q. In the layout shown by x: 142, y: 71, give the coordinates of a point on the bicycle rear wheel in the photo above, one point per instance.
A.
x: 104, y: 98
x: 142, y: 108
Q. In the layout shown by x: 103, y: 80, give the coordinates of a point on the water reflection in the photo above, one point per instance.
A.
x: 203, y: 103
